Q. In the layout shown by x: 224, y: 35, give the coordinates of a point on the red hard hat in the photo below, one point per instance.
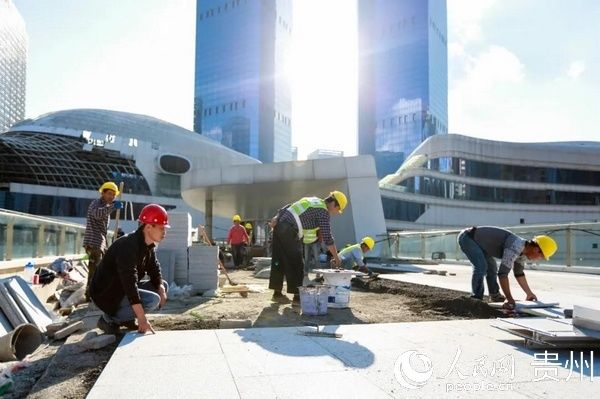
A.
x: 154, y: 214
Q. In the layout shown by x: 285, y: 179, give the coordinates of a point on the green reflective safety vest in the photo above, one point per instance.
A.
x: 298, y: 208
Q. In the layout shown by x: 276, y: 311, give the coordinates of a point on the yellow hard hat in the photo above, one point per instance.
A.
x: 341, y: 199
x: 237, y: 218
x: 248, y: 226
x: 547, y: 245
x: 368, y: 241
x: 109, y: 186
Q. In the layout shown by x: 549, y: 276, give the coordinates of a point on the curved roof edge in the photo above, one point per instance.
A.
x: 582, y: 155
x: 73, y: 122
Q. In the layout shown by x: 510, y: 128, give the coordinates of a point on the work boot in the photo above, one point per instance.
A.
x: 129, y: 325
x: 279, y: 297
x: 107, y: 326
x: 497, y: 297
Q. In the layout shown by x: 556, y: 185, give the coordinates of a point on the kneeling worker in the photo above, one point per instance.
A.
x: 116, y: 287
x: 352, y: 256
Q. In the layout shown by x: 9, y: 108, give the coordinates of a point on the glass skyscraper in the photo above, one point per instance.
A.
x: 13, y: 57
x: 242, y: 96
x: 403, y: 77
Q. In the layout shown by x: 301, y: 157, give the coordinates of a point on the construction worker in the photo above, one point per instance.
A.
x: 237, y: 238
x: 293, y: 222
x: 482, y: 244
x: 312, y: 250
x: 116, y: 287
x: 96, y: 227
x: 248, y: 252
x: 352, y: 256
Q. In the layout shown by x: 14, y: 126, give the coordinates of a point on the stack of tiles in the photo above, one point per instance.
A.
x: 178, y: 240
x: 202, y: 272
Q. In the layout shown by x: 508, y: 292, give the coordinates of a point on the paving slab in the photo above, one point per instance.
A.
x: 445, y: 358
x: 565, y: 288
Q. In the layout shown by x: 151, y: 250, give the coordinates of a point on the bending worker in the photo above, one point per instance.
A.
x: 352, y: 256
x: 292, y: 223
x: 117, y: 288
x: 483, y: 244
x: 96, y: 227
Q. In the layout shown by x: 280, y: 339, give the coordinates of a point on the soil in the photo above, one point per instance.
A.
x: 64, y: 369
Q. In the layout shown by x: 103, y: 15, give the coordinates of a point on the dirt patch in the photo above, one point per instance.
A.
x: 438, y: 303
x: 67, y: 370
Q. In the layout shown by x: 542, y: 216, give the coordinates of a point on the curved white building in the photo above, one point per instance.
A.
x: 53, y: 165
x: 454, y: 180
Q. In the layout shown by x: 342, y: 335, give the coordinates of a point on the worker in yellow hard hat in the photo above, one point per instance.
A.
x: 352, y: 256
x: 293, y: 223
x: 96, y: 227
x: 248, y: 249
x: 482, y: 244
x: 238, y: 239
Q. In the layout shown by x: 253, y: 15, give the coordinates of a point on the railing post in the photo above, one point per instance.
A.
x: 423, y: 246
x: 456, y: 248
x: 40, y: 241
x: 61, y: 240
x: 10, y: 229
x: 569, y: 249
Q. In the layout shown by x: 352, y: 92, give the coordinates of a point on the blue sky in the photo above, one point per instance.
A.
x: 519, y: 70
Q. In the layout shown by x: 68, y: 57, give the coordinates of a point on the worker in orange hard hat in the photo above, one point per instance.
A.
x: 96, y: 227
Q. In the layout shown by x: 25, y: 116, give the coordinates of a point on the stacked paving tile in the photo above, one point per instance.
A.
x: 185, y: 263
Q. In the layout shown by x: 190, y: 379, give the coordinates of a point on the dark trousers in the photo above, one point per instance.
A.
x: 237, y: 251
x: 95, y: 255
x: 286, y: 260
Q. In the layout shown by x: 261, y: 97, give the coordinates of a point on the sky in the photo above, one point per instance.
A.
x: 518, y: 70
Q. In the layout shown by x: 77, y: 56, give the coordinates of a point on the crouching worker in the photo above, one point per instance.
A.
x: 352, y: 256
x: 116, y: 287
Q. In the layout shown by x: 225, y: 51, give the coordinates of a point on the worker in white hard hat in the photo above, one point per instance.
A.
x: 96, y: 227
x: 352, y: 256
x: 293, y: 222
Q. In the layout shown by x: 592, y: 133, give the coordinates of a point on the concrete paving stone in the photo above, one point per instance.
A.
x: 278, y: 363
x: 337, y: 384
x: 179, y: 376
x: 169, y: 343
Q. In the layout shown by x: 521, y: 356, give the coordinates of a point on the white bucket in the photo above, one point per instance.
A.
x: 313, y: 300
x: 339, y: 297
x: 339, y: 293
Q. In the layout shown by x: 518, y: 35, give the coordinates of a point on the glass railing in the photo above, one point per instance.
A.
x: 28, y: 237
x: 578, y: 243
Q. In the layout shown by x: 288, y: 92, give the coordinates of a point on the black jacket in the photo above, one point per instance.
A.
x: 126, y: 262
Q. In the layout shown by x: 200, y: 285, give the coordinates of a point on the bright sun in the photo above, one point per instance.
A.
x: 323, y: 69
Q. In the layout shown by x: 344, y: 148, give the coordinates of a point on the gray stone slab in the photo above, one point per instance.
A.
x: 370, y: 361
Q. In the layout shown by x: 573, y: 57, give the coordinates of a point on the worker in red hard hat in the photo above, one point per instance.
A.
x: 116, y: 287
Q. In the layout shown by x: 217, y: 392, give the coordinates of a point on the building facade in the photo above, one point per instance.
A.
x: 242, y: 95
x: 403, y: 77
x: 53, y: 165
x: 493, y: 183
x: 13, y: 62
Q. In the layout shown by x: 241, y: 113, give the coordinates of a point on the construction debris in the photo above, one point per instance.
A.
x: 98, y: 342
x: 70, y: 329
x: 241, y: 289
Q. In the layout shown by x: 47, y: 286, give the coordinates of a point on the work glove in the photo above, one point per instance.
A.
x: 117, y: 204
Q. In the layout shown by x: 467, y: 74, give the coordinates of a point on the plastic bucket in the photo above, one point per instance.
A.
x: 339, y: 292
x: 20, y: 342
x: 339, y: 296
x: 314, y: 300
